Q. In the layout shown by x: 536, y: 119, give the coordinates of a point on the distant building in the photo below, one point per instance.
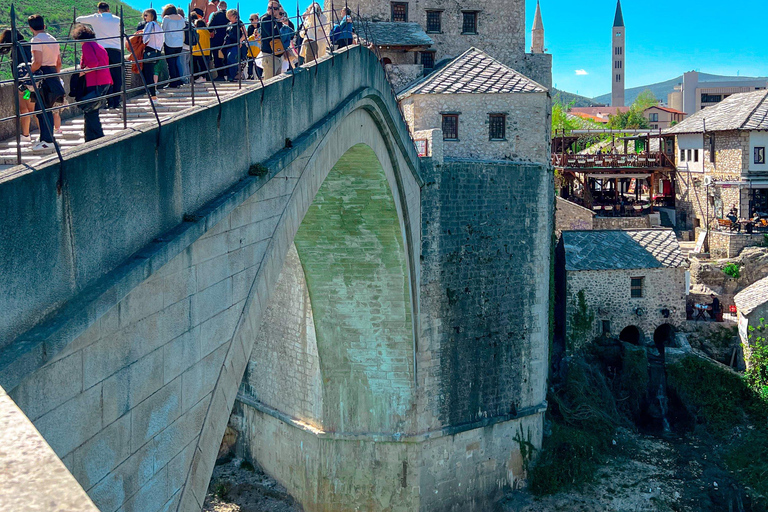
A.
x: 661, y: 118
x: 597, y: 114
x: 691, y: 95
x: 496, y: 26
x: 619, y: 46
x: 486, y: 110
x: 721, y: 163
x: 752, y: 307
x: 628, y: 283
x: 406, y: 50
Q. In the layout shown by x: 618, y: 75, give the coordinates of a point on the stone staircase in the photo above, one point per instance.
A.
x: 138, y: 112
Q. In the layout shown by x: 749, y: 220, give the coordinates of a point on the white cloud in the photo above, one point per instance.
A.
x: 581, y: 72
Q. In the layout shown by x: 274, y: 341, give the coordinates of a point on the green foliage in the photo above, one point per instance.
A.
x: 644, y: 100
x: 722, y: 338
x: 582, y: 321
x: 632, y: 383
x: 732, y: 270
x: 560, y: 119
x: 259, y: 170
x: 747, y: 457
x: 717, y: 397
x: 59, y: 15
x: 221, y: 489
x: 757, y: 359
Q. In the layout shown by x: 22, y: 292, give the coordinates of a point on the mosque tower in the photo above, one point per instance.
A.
x: 537, y: 34
x: 619, y: 40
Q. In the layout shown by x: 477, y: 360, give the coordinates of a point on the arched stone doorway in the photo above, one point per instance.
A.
x: 664, y: 336
x: 631, y: 334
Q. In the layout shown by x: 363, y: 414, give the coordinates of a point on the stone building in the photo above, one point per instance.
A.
x: 486, y: 110
x: 629, y: 284
x: 697, y: 91
x: 496, y: 26
x: 661, y: 118
x: 405, y: 50
x: 571, y: 216
x: 752, y: 307
x: 721, y: 163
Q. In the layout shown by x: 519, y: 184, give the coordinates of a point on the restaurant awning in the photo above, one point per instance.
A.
x: 640, y: 176
x: 743, y: 184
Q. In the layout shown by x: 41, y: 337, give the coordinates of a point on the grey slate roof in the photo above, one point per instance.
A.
x: 621, y: 250
x: 742, y: 111
x: 752, y: 297
x: 473, y: 72
x: 395, y: 33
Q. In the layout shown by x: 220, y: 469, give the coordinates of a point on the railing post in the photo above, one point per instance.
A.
x: 237, y: 47
x: 15, y: 63
x: 123, y: 95
x: 144, y: 83
x: 190, y: 28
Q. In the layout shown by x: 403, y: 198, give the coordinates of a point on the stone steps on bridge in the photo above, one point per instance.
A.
x: 138, y: 111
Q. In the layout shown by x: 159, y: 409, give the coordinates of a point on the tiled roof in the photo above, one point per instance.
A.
x: 386, y: 33
x: 618, y: 250
x: 665, y: 109
x: 742, y: 111
x: 752, y: 297
x: 473, y: 72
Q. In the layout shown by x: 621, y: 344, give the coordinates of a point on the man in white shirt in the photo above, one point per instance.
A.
x: 46, y: 58
x: 107, y: 26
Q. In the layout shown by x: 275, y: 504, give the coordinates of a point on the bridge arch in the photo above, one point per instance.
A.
x: 161, y: 341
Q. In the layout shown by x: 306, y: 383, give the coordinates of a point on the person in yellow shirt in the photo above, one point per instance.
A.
x: 201, y: 52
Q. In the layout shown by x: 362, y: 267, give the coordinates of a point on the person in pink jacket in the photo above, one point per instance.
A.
x: 97, y: 81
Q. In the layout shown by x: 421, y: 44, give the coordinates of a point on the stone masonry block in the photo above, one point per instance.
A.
x: 178, y: 467
x: 218, y: 330
x: 130, y: 386
x: 170, y: 441
x: 103, y: 453
x: 172, y: 505
x: 211, y: 301
x: 50, y: 386
x: 155, y: 413
x: 180, y: 354
x: 153, y: 492
x: 199, y: 380
x: 242, y: 282
x: 73, y: 422
x: 124, y: 481
x: 179, y: 286
x: 143, y: 301
x: 212, y: 271
x: 207, y: 248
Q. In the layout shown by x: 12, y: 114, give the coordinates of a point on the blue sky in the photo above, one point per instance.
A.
x: 664, y: 39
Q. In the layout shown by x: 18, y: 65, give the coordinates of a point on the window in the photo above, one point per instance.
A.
x: 654, y: 127
x: 695, y: 155
x: 399, y: 11
x: 682, y: 155
x: 618, y: 78
x: 618, y: 34
x: 654, y: 118
x: 428, y: 60
x: 469, y: 23
x: 689, y: 156
x: 636, y: 287
x: 450, y: 127
x: 434, y: 25
x: 618, y: 50
x: 712, y: 148
x: 497, y: 126
x: 760, y: 155
x: 711, y: 98
x: 606, y: 327
x: 617, y: 64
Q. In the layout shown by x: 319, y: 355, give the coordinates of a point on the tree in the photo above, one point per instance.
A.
x: 644, y: 100
x: 632, y: 119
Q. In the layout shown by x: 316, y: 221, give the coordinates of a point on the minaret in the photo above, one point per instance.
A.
x: 618, y: 34
x: 537, y: 34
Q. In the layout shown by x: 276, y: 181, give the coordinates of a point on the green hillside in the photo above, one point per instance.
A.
x: 59, y: 14
x: 578, y: 101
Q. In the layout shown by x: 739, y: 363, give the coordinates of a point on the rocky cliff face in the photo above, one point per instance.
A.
x: 707, y: 276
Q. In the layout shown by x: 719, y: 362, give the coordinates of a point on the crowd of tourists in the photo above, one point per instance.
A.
x: 211, y: 43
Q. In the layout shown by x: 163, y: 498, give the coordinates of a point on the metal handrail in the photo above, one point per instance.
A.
x: 144, y: 88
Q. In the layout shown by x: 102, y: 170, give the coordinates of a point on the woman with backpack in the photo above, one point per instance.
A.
x: 21, y: 54
x: 346, y: 29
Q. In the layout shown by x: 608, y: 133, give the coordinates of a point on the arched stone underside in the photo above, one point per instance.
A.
x: 344, y: 361
x: 137, y: 402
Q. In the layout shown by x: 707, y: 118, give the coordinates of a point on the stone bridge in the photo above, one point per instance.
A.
x: 374, y: 326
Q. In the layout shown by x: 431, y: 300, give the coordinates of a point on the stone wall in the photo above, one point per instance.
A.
x: 537, y: 67
x: 642, y: 222
x: 726, y: 244
x: 500, y: 26
x: 527, y: 130
x: 607, y: 293
x: 403, y: 74
x: 486, y: 236
x: 435, y: 144
x: 571, y: 216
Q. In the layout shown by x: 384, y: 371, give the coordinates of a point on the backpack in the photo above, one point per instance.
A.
x: 136, y: 41
x: 195, y: 37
